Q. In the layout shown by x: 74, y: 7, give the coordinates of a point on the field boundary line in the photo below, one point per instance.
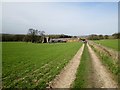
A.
x: 68, y: 74
x: 103, y: 77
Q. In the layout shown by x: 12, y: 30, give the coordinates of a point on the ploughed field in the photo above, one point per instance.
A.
x: 28, y: 65
x: 111, y: 43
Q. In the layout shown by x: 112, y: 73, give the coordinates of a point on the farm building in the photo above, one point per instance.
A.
x: 65, y: 40
x: 73, y: 40
x: 45, y: 40
x: 55, y: 40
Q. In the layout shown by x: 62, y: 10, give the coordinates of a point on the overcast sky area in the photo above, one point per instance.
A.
x: 71, y: 18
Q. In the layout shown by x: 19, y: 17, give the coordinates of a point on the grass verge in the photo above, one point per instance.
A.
x: 107, y: 61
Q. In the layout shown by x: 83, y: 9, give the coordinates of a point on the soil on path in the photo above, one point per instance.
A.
x: 68, y: 74
x: 102, y: 77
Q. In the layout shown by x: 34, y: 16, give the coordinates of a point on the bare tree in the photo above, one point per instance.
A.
x: 34, y: 35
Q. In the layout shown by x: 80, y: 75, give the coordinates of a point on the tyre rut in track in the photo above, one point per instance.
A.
x: 102, y: 78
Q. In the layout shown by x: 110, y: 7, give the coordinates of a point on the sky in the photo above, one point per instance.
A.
x: 71, y: 18
x: 60, y: 0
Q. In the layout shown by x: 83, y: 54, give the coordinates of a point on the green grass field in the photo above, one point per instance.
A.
x: 28, y: 65
x: 84, y: 72
x: 109, y: 43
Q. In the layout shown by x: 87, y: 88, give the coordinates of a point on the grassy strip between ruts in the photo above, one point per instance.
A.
x: 83, y: 76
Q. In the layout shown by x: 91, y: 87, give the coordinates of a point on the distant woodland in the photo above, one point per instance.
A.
x: 37, y: 36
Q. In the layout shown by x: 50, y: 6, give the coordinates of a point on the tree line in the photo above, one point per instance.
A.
x: 99, y: 37
x: 33, y: 35
x: 36, y: 36
x: 12, y: 37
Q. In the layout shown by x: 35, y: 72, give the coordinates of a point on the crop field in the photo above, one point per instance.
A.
x: 35, y: 65
x: 110, y: 43
x: 27, y: 65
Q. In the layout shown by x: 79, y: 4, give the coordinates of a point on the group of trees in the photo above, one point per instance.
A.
x: 34, y: 36
x: 116, y: 35
x: 99, y: 37
x: 59, y: 36
x: 12, y: 37
x: 39, y: 36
